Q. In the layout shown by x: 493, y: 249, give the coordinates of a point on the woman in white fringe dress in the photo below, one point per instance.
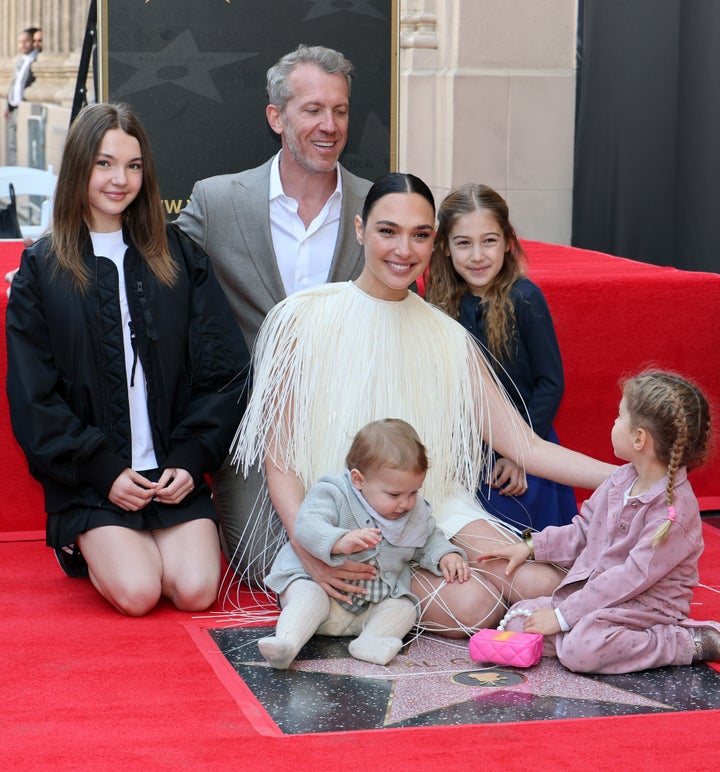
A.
x: 331, y: 359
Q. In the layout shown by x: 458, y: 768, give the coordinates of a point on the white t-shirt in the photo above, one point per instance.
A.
x: 112, y: 246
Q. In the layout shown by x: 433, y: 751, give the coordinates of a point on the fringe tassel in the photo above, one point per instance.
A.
x: 329, y: 360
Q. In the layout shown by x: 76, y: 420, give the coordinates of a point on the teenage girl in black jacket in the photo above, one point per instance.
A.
x: 126, y: 375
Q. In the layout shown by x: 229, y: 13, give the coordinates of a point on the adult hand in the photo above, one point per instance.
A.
x: 335, y: 579
x: 173, y: 486
x: 508, y: 478
x: 131, y: 491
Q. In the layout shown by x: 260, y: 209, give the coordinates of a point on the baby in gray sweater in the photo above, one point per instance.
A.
x: 374, y: 513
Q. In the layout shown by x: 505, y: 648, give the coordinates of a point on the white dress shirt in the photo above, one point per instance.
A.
x: 17, y: 87
x: 304, y: 256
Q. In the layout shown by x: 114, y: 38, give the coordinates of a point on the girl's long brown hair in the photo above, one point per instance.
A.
x: 445, y: 286
x: 71, y: 211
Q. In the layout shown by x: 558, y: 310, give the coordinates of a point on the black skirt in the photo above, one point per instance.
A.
x: 65, y: 526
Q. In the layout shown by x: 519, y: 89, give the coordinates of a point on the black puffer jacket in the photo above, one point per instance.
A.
x: 66, y: 379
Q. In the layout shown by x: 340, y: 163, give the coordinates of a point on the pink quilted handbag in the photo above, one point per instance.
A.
x: 502, y: 647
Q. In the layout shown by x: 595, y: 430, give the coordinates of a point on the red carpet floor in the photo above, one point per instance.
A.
x: 614, y: 317
x: 88, y: 689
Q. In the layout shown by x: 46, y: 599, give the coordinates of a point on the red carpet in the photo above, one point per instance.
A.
x: 614, y: 317
x: 87, y: 689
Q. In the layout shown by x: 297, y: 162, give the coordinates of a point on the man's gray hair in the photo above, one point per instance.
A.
x: 278, y: 76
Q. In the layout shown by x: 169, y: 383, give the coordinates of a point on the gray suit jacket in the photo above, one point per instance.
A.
x: 229, y: 217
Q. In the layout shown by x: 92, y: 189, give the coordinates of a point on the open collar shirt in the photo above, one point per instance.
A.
x: 304, y: 255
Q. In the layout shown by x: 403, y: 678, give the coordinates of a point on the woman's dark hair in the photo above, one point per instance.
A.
x: 395, y: 182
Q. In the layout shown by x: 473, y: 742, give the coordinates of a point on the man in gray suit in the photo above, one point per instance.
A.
x: 282, y: 227
x: 288, y: 224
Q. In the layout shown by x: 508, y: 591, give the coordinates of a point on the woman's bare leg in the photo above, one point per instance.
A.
x: 190, y: 563
x: 531, y: 580
x: 132, y: 569
x: 457, y: 610
x: 125, y: 567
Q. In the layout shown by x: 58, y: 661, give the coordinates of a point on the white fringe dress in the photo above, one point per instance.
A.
x: 330, y: 359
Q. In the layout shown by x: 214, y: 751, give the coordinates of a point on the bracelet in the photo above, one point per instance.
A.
x: 521, y: 612
x: 527, y: 538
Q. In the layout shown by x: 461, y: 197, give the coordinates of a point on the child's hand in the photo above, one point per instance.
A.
x: 173, y: 486
x: 508, y: 478
x: 515, y: 554
x: 131, y: 491
x: 356, y: 541
x: 544, y: 621
x: 452, y: 565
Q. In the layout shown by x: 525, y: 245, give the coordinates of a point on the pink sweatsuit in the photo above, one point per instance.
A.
x: 626, y: 603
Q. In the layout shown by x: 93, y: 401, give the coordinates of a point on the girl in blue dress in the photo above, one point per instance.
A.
x: 477, y: 276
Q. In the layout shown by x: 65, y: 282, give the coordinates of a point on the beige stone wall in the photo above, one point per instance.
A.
x: 63, y: 23
x: 487, y: 94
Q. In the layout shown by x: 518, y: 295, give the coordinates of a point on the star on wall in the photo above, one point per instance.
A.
x: 179, y: 63
x: 326, y: 7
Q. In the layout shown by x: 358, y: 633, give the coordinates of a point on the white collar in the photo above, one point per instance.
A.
x: 276, y: 188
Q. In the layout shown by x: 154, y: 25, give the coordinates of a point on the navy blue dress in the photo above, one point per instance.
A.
x: 533, y: 378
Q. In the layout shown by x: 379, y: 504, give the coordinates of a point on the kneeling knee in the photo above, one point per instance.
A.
x: 194, y: 596
x: 136, y: 601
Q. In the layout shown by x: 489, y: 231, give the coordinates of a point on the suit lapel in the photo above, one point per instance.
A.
x: 250, y: 200
x: 348, y: 256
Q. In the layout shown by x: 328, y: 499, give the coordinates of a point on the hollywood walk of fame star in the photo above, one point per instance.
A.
x: 179, y: 63
x: 433, y: 673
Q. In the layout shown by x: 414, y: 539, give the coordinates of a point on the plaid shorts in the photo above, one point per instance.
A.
x: 377, y: 590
